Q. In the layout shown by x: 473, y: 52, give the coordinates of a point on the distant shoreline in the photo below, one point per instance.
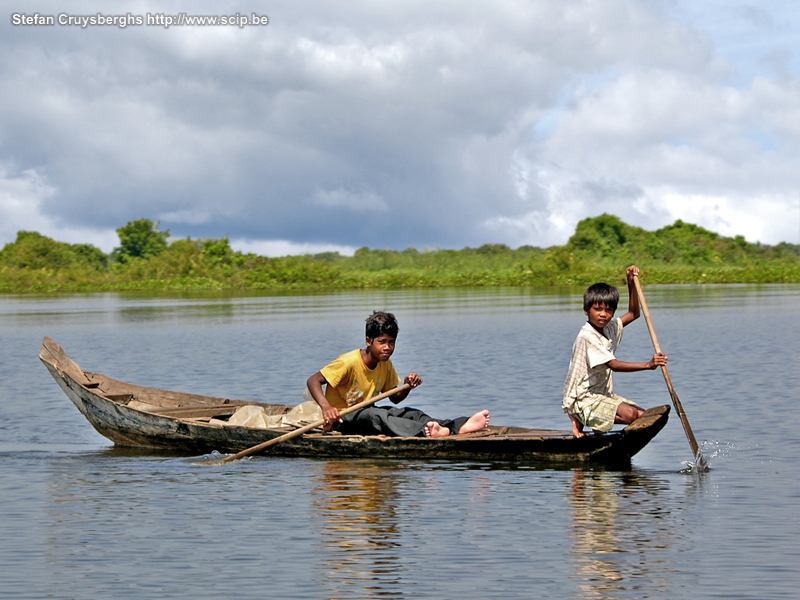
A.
x: 599, y: 250
x: 398, y: 280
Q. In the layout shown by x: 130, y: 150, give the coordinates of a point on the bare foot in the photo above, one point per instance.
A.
x: 434, y: 430
x: 476, y: 422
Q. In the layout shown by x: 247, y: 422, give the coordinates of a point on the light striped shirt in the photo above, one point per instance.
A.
x: 588, y: 369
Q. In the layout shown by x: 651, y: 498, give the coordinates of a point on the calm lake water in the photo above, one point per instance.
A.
x: 81, y: 520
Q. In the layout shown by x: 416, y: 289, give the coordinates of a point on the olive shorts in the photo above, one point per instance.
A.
x: 599, y: 415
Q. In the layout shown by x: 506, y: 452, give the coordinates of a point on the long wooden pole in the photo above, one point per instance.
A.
x: 700, y: 460
x: 305, y: 428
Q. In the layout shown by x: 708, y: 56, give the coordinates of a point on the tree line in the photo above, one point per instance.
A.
x: 599, y: 249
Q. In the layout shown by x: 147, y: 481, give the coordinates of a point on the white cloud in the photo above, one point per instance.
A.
x: 406, y: 124
x: 277, y: 248
x: 20, y: 204
x: 654, y: 146
x: 20, y: 197
x: 730, y: 216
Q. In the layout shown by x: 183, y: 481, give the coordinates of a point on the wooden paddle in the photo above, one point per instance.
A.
x: 700, y: 461
x: 305, y: 428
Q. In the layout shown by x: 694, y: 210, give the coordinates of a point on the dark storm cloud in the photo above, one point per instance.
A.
x: 371, y: 123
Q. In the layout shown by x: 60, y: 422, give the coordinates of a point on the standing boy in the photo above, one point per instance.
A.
x: 589, y: 397
x: 361, y: 374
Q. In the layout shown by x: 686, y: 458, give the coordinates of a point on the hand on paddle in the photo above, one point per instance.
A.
x: 658, y: 360
x: 411, y: 379
x: 331, y: 415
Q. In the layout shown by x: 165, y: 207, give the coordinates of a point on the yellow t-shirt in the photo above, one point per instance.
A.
x: 350, y: 381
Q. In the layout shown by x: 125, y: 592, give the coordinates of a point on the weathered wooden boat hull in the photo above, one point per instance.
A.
x: 131, y: 415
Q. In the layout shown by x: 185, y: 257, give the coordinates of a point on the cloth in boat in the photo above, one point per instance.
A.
x: 255, y: 416
x: 589, y: 387
x: 350, y: 381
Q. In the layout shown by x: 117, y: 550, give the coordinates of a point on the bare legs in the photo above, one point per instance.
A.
x: 476, y: 422
x: 627, y: 414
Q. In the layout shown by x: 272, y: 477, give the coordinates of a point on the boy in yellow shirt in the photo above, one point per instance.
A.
x: 361, y: 374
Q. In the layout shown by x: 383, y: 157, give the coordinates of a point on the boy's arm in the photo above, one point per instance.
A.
x: 413, y: 380
x: 618, y: 366
x: 314, y: 384
x: 633, y: 297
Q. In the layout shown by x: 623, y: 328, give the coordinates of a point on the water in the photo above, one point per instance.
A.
x: 80, y: 519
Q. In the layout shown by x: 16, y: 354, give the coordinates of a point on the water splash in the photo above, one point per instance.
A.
x: 214, y: 458
x: 700, y: 465
x: 709, y: 450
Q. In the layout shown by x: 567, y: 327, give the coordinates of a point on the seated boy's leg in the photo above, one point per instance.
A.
x: 603, y: 412
x: 408, y: 422
x: 434, y: 429
x: 385, y: 420
x: 476, y: 422
x: 445, y: 427
x: 627, y: 412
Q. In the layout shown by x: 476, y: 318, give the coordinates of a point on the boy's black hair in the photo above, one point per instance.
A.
x: 381, y: 323
x: 601, y: 293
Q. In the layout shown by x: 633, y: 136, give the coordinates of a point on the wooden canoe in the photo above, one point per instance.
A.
x: 132, y: 415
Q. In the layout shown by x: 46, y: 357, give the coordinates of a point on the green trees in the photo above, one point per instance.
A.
x: 140, y: 239
x: 32, y: 250
x: 605, y: 235
x: 599, y: 250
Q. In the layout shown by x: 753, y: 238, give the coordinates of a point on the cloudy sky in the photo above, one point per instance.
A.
x: 401, y: 123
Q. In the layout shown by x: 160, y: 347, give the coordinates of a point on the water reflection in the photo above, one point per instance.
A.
x: 622, y: 531
x: 357, y: 503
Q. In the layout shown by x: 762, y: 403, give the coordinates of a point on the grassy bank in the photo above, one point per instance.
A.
x: 599, y: 250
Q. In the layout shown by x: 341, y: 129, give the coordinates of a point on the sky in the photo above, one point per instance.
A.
x: 396, y: 124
